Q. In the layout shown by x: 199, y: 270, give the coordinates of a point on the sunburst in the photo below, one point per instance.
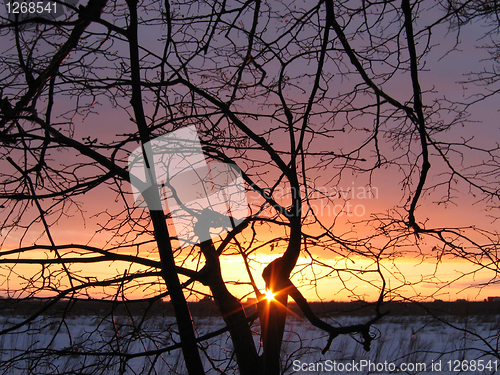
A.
x: 269, y: 295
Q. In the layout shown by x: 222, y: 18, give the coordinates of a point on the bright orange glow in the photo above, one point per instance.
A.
x: 269, y: 295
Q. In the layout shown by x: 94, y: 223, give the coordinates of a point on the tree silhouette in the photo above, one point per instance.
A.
x: 301, y: 97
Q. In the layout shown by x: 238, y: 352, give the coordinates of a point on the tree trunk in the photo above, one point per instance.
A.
x: 273, y: 315
x: 273, y: 319
x: 190, y: 351
x: 232, y: 312
x: 181, y: 309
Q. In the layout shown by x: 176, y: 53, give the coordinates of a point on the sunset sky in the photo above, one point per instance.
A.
x: 344, y: 202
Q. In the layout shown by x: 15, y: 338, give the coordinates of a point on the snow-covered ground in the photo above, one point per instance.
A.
x: 405, y: 344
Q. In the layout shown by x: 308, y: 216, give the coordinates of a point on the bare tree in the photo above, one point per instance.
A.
x: 299, y: 97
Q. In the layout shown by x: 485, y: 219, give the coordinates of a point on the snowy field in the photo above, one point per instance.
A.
x: 404, y: 344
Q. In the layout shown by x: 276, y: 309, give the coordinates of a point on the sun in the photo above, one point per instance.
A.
x: 269, y: 295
